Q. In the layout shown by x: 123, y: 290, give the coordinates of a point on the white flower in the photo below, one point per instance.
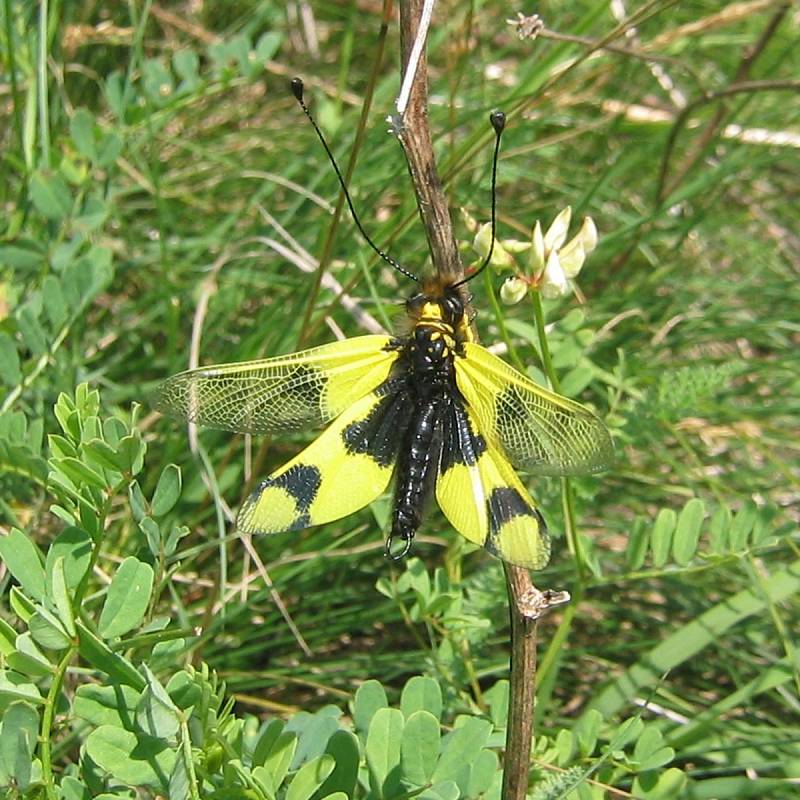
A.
x: 553, y: 262
x: 554, y: 282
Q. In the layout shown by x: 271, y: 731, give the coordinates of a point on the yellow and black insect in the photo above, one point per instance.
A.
x: 433, y: 408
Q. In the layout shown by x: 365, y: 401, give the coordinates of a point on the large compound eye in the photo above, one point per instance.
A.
x: 452, y: 307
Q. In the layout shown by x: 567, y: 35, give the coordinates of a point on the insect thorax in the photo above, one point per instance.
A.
x: 440, y: 326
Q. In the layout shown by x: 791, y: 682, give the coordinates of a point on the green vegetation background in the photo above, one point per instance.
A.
x: 159, y: 181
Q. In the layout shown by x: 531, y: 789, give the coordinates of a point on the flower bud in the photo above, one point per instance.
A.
x: 483, y: 241
x: 588, y: 234
x: 538, y: 257
x: 513, y: 290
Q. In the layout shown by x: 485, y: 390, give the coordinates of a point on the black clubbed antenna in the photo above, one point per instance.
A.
x: 297, y: 91
x: 498, y: 120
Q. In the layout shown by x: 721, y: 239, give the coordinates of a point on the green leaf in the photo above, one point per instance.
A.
x: 82, y: 131
x: 131, y: 450
x: 370, y: 697
x: 313, y: 732
x: 280, y: 757
x: 61, y: 598
x: 343, y: 748
x: 50, y: 195
x: 156, y: 714
x: 688, y: 640
x: 720, y: 529
x: 55, y: 305
x: 137, y: 501
x: 47, y: 630
x: 497, y: 698
x: 97, y: 653
x: 127, y: 598
x: 661, y: 537
x: 33, y: 334
x: 419, y: 750
x: 106, y: 705
x: 74, y: 546
x: 382, y: 750
x: 22, y: 559
x: 28, y: 658
x: 310, y: 777
x: 687, y: 534
x: 7, y: 638
x: 637, y: 544
x: 25, y: 255
x: 108, y: 148
x: 10, y: 372
x: 483, y: 772
x: 167, y: 491
x: 672, y: 783
x: 461, y: 747
x: 743, y: 523
x: 103, y: 455
x: 18, y: 741
x: 73, y: 789
x: 16, y: 687
x: 266, y: 741
x: 152, y: 533
x: 565, y: 747
x: 267, y: 46
x: 92, y: 215
x: 179, y: 780
x: 650, y: 752
x: 587, y: 731
x: 79, y: 472
x: 135, y: 760
x: 421, y: 693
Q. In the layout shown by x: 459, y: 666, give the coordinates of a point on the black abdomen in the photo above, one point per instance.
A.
x: 431, y: 384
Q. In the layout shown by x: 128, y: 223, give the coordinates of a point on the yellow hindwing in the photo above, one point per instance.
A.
x: 484, y: 500
x: 343, y: 470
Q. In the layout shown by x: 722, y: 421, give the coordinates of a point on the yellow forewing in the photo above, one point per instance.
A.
x: 538, y: 429
x: 325, y: 482
x: 285, y: 393
x: 486, y: 502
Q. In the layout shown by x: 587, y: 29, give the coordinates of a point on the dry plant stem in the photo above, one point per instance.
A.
x: 748, y: 87
x: 746, y: 63
x: 433, y: 210
x: 415, y: 138
x: 522, y: 689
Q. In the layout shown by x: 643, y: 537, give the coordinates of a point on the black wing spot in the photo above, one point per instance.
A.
x: 301, y: 482
x: 381, y: 432
x: 506, y: 503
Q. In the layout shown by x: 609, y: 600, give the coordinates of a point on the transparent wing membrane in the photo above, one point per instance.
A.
x: 539, y: 430
x: 285, y: 393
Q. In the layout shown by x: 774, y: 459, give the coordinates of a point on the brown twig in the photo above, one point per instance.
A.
x: 749, y: 57
x: 415, y: 138
x: 526, y: 603
x: 663, y: 190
